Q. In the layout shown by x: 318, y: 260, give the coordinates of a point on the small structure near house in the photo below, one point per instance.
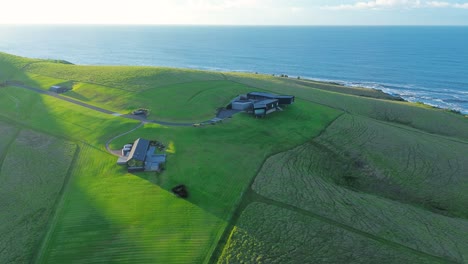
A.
x: 140, y: 112
x: 180, y: 191
x: 59, y: 89
x: 142, y: 157
x: 126, y: 149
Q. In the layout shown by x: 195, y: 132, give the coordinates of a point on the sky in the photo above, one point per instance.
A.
x: 236, y: 12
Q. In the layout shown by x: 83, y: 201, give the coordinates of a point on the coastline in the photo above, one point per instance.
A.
x: 385, y: 93
x: 390, y: 90
x: 349, y: 84
x: 380, y: 58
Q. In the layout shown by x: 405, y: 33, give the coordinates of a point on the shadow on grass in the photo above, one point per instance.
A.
x: 77, y: 96
x: 62, y: 245
x: 90, y: 224
x: 17, y: 107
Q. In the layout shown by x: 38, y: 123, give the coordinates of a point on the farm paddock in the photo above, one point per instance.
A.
x: 29, y: 191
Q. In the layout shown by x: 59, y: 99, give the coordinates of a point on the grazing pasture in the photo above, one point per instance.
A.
x: 401, y: 164
x: 342, y: 175
x: 319, y: 181
x: 419, y: 116
x: 270, y: 234
x: 8, y: 133
x: 218, y: 162
x: 129, y: 78
x: 110, y: 216
x: 32, y: 177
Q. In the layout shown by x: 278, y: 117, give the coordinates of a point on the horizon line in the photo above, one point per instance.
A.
x: 236, y: 25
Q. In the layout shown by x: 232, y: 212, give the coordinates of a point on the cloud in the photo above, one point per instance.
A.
x: 296, y: 9
x: 438, y: 4
x: 462, y: 6
x: 396, y: 4
x: 220, y: 5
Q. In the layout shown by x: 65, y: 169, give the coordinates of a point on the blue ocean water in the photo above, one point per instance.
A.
x: 425, y: 64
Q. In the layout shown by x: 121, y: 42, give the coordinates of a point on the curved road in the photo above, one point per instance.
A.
x: 95, y: 108
x: 105, y: 111
x: 116, y: 152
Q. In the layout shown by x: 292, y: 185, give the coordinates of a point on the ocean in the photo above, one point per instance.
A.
x: 420, y: 64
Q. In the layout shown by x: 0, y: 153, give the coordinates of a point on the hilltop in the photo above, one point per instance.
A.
x: 343, y: 175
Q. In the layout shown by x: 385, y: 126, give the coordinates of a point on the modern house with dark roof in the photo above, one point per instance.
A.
x: 142, y: 157
x: 260, y: 103
x: 282, y: 99
x: 137, y: 157
x: 265, y: 107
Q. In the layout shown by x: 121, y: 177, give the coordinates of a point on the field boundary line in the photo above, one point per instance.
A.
x: 246, y: 199
x: 52, y: 223
x: 289, y: 207
x: 117, y: 88
x: 8, y: 146
x: 96, y: 108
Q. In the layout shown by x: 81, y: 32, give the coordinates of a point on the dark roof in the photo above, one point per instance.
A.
x: 57, y: 87
x: 263, y: 103
x: 139, y: 150
x: 269, y: 95
x: 266, y: 95
x: 284, y: 96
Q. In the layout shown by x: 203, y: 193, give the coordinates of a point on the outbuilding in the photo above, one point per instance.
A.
x: 58, y: 89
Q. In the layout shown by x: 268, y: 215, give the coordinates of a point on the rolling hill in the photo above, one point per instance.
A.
x: 343, y: 175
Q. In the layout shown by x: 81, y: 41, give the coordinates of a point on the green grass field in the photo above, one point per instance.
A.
x: 419, y: 116
x: 424, y: 170
x: 363, y: 197
x: 343, y: 175
x: 269, y: 234
x: 32, y: 175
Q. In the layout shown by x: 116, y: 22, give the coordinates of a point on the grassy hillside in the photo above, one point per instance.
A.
x: 270, y: 234
x: 10, y: 65
x: 423, y: 117
x: 100, y: 188
x: 411, y: 173
x: 29, y: 190
x: 377, y: 181
x: 343, y: 175
x: 123, y: 89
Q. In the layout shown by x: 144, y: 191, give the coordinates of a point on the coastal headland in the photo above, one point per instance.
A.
x: 345, y: 174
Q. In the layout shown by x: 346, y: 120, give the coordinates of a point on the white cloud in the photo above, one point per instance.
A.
x: 438, y: 4
x: 396, y: 4
x: 220, y: 5
x: 377, y: 4
x: 296, y: 9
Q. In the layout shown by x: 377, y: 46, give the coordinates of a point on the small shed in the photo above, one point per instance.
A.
x: 58, y: 89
